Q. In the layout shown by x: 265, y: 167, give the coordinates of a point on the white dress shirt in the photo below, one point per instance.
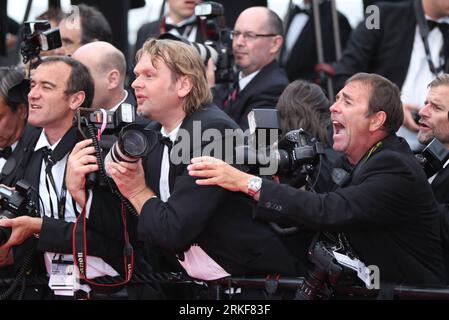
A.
x: 197, y: 263
x: 95, y: 266
x: 3, y: 160
x: 414, y: 90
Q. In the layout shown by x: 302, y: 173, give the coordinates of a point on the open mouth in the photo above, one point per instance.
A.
x: 424, y: 126
x: 338, y: 127
x: 35, y: 107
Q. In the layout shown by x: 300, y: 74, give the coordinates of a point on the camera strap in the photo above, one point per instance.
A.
x: 63, y: 148
x: 424, y: 32
x: 79, y: 250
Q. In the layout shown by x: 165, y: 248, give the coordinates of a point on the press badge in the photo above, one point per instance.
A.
x: 62, y: 276
x: 355, y: 264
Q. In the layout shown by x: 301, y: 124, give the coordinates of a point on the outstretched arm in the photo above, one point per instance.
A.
x: 219, y: 173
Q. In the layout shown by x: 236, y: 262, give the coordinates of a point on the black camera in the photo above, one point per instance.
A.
x: 132, y: 144
x: 218, y: 44
x: 433, y: 157
x: 324, y: 274
x: 15, y: 203
x: 218, y: 38
x: 109, y: 122
x: 90, y: 122
x: 296, y: 151
x: 38, y: 35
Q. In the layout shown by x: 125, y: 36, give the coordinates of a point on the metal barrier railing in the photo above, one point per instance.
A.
x: 268, y: 284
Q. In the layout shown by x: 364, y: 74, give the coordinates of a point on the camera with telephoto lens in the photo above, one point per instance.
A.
x: 325, y: 273
x: 38, y: 35
x: 433, y: 157
x: 132, y: 144
x: 218, y: 44
x: 14, y: 203
x: 297, y: 151
x: 119, y: 132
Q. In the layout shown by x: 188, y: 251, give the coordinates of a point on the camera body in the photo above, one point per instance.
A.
x: 433, y: 157
x: 132, y: 144
x: 297, y: 150
x: 15, y: 203
x: 218, y: 44
x: 218, y: 38
x: 111, y: 122
x: 38, y: 35
x: 325, y: 272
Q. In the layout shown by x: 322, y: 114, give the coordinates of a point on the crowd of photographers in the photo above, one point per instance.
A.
x: 106, y: 176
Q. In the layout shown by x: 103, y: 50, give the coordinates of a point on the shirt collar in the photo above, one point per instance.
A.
x: 173, y: 134
x: 13, y: 146
x: 113, y: 109
x: 243, y: 81
x: 180, y: 23
x: 43, y: 142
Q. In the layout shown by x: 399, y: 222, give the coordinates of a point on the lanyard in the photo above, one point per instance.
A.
x: 63, y: 196
x: 424, y: 31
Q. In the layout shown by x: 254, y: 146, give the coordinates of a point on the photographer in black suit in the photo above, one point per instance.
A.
x: 402, y: 41
x: 208, y: 229
x: 385, y: 212
x: 257, y: 40
x: 180, y: 20
x: 434, y: 123
x: 16, y: 137
x: 59, y: 86
x: 299, y: 55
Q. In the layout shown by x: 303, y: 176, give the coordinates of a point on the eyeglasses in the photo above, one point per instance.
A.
x: 251, y: 36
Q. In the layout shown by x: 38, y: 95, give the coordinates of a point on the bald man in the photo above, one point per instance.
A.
x: 256, y: 41
x: 107, y: 66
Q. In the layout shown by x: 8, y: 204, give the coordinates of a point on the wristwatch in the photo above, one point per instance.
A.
x: 254, y: 185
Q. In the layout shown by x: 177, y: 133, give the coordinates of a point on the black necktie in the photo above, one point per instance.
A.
x: 5, y: 153
x: 181, y: 29
x: 441, y: 25
x: 444, y: 28
x: 166, y: 141
x: 298, y: 10
x: 171, y: 172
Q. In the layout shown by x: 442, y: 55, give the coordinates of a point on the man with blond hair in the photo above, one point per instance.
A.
x: 209, y: 229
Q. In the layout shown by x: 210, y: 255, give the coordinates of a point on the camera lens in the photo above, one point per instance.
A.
x: 5, y: 232
x: 134, y: 144
x: 131, y: 145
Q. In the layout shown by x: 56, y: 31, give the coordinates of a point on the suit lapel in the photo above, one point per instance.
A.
x: 154, y: 160
x: 441, y: 182
x: 238, y: 108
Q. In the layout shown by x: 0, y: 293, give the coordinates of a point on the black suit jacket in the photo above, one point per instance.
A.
x: 262, y: 91
x: 385, y: 51
x: 303, y: 57
x: 214, y: 218
x: 155, y: 28
x: 16, y: 165
x: 104, y: 226
x: 387, y: 210
x: 440, y: 188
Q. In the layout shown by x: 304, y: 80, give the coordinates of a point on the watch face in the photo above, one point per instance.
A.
x: 254, y: 184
